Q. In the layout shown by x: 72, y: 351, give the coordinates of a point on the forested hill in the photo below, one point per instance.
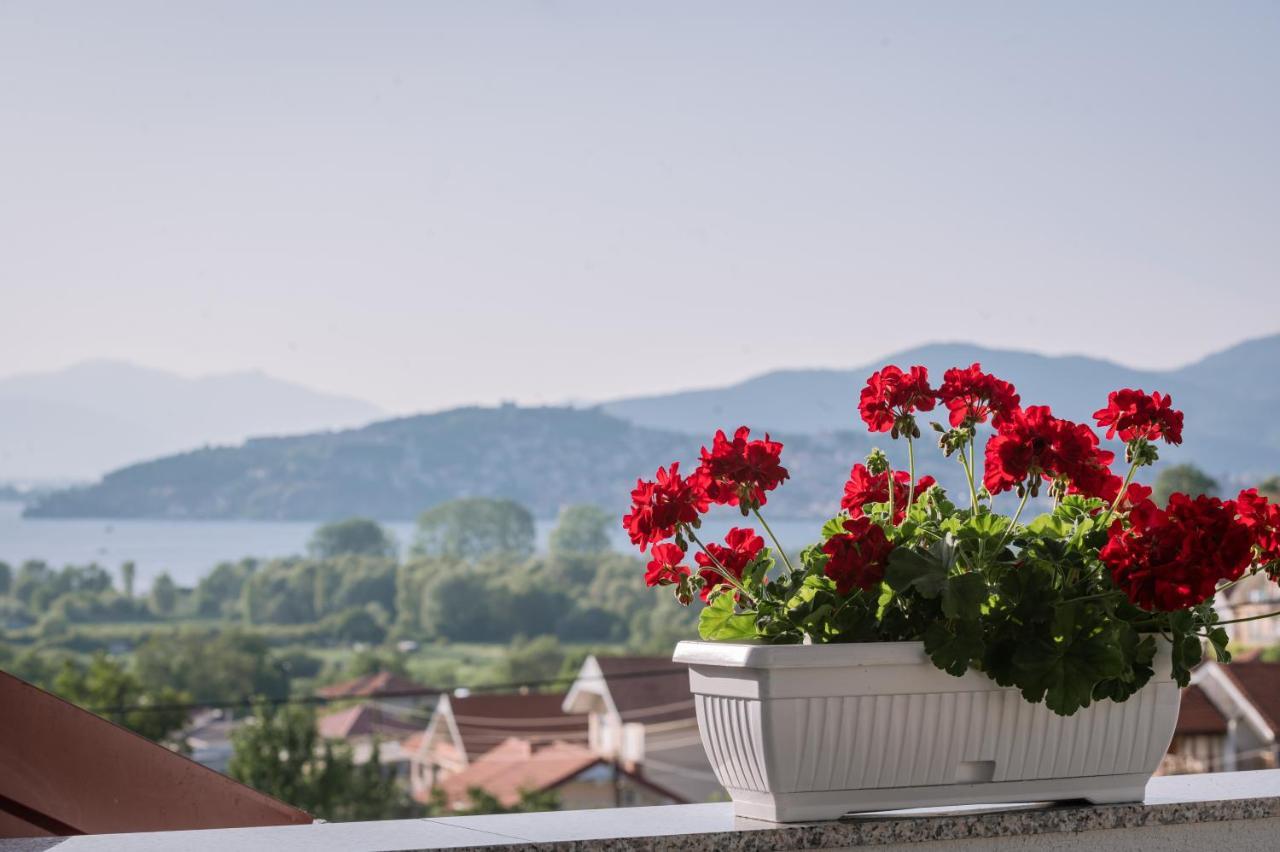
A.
x: 542, y: 457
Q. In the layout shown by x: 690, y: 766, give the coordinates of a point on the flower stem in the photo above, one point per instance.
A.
x: 1026, y: 492
x: 973, y: 491
x: 777, y: 544
x: 1123, y: 490
x: 720, y: 569
x: 911, y: 474
x: 1249, y: 618
x: 888, y: 474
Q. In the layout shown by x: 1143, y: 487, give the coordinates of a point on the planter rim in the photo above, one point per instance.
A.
x: 757, y: 655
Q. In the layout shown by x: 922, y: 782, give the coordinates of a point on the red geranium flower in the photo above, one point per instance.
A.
x: 866, y: 487
x: 1133, y: 414
x: 858, y: 556
x: 658, y: 507
x: 739, y: 548
x: 972, y: 396
x: 1262, y: 517
x: 1172, y: 559
x: 665, y: 568
x: 891, y: 394
x: 742, y: 470
x: 1033, y: 443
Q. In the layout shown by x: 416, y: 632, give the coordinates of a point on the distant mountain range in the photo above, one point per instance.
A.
x: 83, y: 421
x: 549, y: 457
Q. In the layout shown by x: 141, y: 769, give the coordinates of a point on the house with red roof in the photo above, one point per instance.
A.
x: 389, y: 688
x: 362, y: 725
x: 1229, y: 719
x: 642, y: 716
x: 463, y: 728
x: 579, y: 777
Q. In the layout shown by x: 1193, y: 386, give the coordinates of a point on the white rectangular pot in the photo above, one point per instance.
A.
x: 806, y: 732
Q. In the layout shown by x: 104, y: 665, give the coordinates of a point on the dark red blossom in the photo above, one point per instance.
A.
x: 1033, y: 443
x: 739, y: 548
x: 972, y: 396
x: 1174, y: 558
x: 1262, y: 517
x: 891, y: 394
x: 858, y: 556
x: 742, y: 470
x: 866, y: 487
x: 661, y: 505
x: 1132, y: 414
x: 665, y: 568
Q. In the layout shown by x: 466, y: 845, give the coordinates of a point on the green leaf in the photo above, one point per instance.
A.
x: 1049, y: 525
x: 963, y: 596
x: 720, y: 622
x: 925, y: 571
x: 1218, y: 639
x: 953, y: 647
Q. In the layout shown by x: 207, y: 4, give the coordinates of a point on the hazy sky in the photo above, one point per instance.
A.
x: 425, y: 204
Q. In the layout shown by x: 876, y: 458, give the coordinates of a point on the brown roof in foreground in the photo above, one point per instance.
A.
x: 364, y: 720
x: 65, y: 771
x: 382, y: 684
x: 485, y: 721
x: 648, y: 689
x: 1260, y: 682
x: 1198, y: 715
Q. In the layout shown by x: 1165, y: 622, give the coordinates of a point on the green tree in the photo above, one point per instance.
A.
x: 279, y: 752
x: 481, y: 801
x: 128, y: 573
x: 211, y: 665
x: 581, y: 530
x: 1270, y: 487
x: 6, y: 578
x: 218, y: 594
x: 164, y: 595
x: 354, y: 536
x: 104, y: 685
x: 475, y: 527
x: 526, y: 660
x: 1184, y: 478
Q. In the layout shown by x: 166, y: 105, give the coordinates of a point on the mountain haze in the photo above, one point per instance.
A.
x: 93, y: 417
x: 549, y: 457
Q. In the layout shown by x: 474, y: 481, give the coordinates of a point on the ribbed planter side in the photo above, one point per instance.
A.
x: 804, y: 732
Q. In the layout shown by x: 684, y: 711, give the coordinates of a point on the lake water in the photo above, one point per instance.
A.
x: 188, y: 549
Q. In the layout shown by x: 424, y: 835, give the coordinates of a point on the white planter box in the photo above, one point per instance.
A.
x: 806, y: 732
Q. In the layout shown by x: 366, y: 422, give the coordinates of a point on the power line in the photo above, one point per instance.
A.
x: 317, y: 700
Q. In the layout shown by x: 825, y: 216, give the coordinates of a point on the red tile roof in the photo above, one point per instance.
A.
x: 515, y: 765
x: 485, y: 721
x: 364, y: 720
x: 382, y: 684
x: 1198, y: 715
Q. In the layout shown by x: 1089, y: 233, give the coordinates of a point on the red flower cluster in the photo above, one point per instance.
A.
x: 1262, y: 517
x: 1133, y: 414
x: 866, y: 487
x: 1172, y: 559
x: 1032, y: 442
x: 742, y: 470
x: 972, y: 396
x: 658, y: 507
x: 739, y: 548
x: 858, y: 556
x: 665, y: 568
x: 891, y: 394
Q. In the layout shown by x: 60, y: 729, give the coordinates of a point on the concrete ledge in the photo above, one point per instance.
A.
x: 1241, y: 808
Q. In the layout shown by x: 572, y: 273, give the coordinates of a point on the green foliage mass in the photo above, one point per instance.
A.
x: 351, y: 537
x: 474, y: 528
x: 279, y: 752
x: 1030, y: 606
x: 104, y: 684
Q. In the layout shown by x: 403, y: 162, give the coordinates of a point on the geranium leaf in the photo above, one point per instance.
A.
x: 720, y: 622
